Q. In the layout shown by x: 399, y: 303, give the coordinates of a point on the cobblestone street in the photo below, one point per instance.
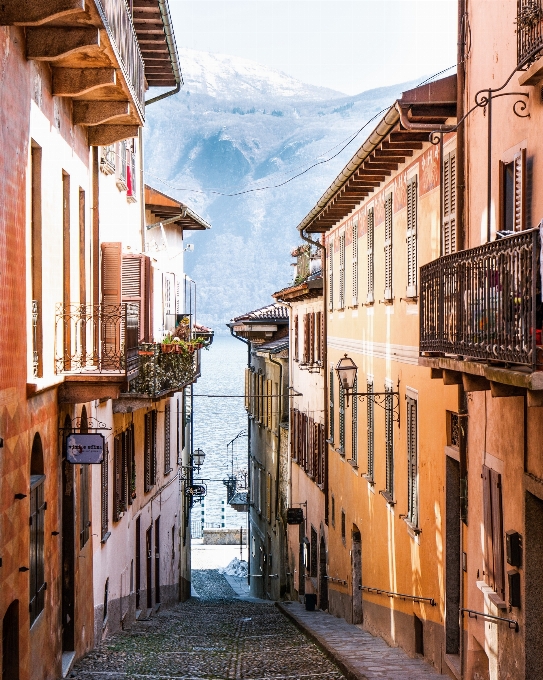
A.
x: 216, y: 636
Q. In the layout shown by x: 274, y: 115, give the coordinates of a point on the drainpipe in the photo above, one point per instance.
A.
x: 172, y: 49
x: 318, y: 244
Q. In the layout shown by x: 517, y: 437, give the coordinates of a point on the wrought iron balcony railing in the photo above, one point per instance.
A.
x: 529, y: 29
x: 116, y: 17
x: 97, y: 339
x: 161, y: 372
x: 485, y: 302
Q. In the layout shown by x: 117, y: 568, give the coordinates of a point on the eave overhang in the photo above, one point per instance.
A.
x: 308, y: 290
x: 167, y: 209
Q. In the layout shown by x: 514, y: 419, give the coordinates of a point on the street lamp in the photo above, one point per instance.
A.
x: 346, y: 372
x: 198, y: 458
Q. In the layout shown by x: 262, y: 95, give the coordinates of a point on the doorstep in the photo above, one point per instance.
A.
x: 358, y: 654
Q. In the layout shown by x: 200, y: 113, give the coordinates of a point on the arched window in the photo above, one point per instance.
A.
x: 37, y: 516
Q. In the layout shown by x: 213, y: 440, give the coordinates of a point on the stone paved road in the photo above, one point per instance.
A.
x: 216, y: 637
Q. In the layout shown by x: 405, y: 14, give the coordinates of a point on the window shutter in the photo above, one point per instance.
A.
x: 311, y: 338
x: 355, y: 264
x: 153, y: 447
x: 117, y: 471
x: 147, y: 452
x: 136, y: 274
x: 389, y: 443
x: 449, y: 203
x: 331, y: 275
x: 296, y: 338
x: 167, y: 436
x: 105, y: 492
x: 342, y: 419
x: 370, y: 406
x: 520, y: 189
x: 124, y: 471
x: 342, y: 271
x: 497, y: 532
x: 305, y: 355
x: 388, y: 247
x: 261, y: 398
x: 131, y: 464
x: 412, y: 237
x: 354, y: 429
x: 412, y: 462
x: 487, y: 525
x: 331, y: 396
x: 269, y: 391
x: 318, y: 339
x: 371, y: 262
x: 111, y: 295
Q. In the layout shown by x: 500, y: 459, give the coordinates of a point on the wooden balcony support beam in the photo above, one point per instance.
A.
x: 385, y: 168
x: 371, y: 175
x: 502, y: 390
x: 97, y: 112
x: 36, y: 12
x: 452, y: 377
x: 475, y: 383
x: 103, y: 135
x: 73, y: 82
x: 404, y: 147
x: 401, y: 136
x: 51, y: 44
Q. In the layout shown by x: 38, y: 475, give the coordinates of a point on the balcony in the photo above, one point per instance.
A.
x: 483, y: 305
x: 96, y: 349
x: 529, y: 29
x: 163, y: 369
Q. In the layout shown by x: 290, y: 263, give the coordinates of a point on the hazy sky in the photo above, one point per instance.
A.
x: 347, y: 45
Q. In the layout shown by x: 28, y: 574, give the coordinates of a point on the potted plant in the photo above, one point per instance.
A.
x: 167, y: 345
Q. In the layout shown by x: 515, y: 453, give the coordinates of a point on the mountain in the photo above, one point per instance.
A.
x: 238, y: 127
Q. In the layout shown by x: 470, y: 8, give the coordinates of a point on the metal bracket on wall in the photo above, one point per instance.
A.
x: 382, y: 400
x: 92, y: 424
x: 473, y: 615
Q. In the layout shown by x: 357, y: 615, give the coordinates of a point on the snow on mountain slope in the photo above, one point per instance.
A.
x: 237, y: 126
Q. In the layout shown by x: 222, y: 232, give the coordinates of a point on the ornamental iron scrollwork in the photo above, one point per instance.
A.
x: 160, y: 372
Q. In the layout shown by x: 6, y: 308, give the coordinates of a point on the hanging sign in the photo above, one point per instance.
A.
x: 295, y: 516
x: 196, y: 490
x: 86, y: 449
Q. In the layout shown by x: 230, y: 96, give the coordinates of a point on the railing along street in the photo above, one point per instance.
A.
x: 97, y: 338
x: 529, y: 28
x: 124, y: 37
x: 483, y: 302
x: 161, y: 372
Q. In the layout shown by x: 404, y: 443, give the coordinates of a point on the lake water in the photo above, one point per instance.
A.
x: 216, y: 422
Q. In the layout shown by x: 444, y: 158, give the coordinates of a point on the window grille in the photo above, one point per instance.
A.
x: 341, y: 420
x: 167, y: 436
x: 388, y: 247
x: 105, y: 492
x: 342, y: 271
x: 37, y: 556
x: 412, y: 237
x: 412, y: 463
x: 389, y: 441
x: 370, y: 410
x: 331, y: 275
x: 355, y: 264
x: 331, y: 413
x: 370, y: 257
x: 354, y: 431
x: 449, y: 203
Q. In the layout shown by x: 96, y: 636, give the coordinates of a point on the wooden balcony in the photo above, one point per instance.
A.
x: 480, y: 312
x: 96, y: 350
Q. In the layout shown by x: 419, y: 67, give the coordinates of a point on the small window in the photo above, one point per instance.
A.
x: 333, y: 511
x: 453, y: 429
x: 343, y: 526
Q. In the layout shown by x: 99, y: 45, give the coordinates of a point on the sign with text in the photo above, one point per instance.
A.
x: 86, y: 449
x: 295, y: 516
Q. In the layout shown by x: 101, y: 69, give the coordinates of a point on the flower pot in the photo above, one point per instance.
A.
x: 167, y: 348
x: 191, y: 349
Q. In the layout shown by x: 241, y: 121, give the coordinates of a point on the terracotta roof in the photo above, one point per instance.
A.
x: 165, y: 207
x: 275, y: 346
x: 273, y: 312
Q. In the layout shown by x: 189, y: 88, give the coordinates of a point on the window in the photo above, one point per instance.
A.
x: 121, y: 166
x: 105, y: 494
x: 107, y: 159
x: 37, y: 570
x: 370, y: 408
x: 305, y: 353
x: 150, y: 450
x: 131, y: 463
x: 311, y: 339
x: 167, y: 437
x: 513, y: 191
x: 333, y: 504
x: 131, y: 177
x: 343, y: 532
x: 388, y: 247
x: 412, y: 237
x: 354, y: 428
x: 37, y: 257
x: 449, y: 203
x: 389, y: 442
x: 319, y: 332
x: 296, y: 338
x: 136, y: 289
x: 493, y: 531
x: 118, y: 507
x: 268, y: 497
x: 370, y: 258
x: 354, y: 301
x: 331, y: 275
x: 342, y: 271
x: 331, y: 407
x: 84, y: 509
x: 341, y: 420
x: 412, y: 463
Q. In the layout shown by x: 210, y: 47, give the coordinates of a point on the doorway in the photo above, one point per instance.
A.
x: 149, y: 553
x: 533, y: 584
x: 10, y: 642
x: 138, y: 562
x: 68, y: 547
x: 323, y: 577
x: 157, y: 560
x: 452, y: 553
x: 356, y: 561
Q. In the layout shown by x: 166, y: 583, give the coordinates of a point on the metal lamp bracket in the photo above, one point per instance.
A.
x: 380, y: 398
x: 92, y: 424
